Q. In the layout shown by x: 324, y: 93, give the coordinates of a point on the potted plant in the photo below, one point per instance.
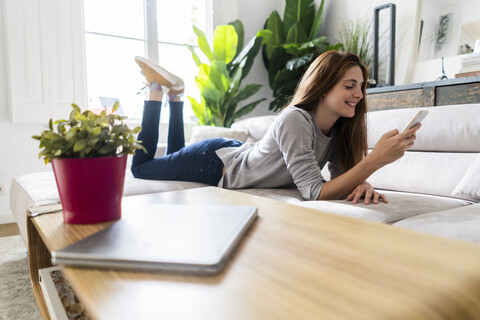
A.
x: 219, y: 79
x: 292, y: 47
x: 88, y: 153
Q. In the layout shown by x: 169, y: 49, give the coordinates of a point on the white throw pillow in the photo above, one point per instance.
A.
x: 205, y: 132
x: 469, y: 185
x: 257, y: 126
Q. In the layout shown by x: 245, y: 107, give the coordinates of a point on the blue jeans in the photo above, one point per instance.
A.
x: 197, y: 162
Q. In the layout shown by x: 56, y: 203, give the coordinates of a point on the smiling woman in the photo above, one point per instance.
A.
x: 324, y: 122
x: 332, y: 85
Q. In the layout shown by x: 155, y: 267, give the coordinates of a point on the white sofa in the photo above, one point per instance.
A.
x: 434, y: 188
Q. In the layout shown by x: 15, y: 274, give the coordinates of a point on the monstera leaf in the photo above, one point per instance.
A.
x: 220, y: 78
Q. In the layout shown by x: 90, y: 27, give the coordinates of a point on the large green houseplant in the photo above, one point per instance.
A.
x: 219, y: 78
x: 294, y: 44
x: 88, y: 153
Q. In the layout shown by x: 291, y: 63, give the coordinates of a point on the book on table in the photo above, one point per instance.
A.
x: 179, y: 238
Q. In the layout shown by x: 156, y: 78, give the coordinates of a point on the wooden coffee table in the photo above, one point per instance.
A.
x: 295, y: 263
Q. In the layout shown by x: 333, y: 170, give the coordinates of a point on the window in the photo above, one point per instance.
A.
x: 118, y: 30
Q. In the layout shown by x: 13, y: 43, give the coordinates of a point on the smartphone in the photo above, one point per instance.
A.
x: 417, y: 119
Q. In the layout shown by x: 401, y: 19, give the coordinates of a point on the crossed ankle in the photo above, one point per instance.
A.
x: 174, y: 97
x: 155, y: 92
x: 153, y: 86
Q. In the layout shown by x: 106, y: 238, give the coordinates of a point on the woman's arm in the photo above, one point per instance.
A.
x: 391, y: 146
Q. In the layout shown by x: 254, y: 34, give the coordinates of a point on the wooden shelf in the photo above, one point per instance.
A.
x: 435, y: 93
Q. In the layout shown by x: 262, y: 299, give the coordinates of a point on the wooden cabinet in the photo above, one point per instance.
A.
x: 426, y: 94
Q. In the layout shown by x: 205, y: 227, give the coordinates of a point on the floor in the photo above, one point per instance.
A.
x: 9, y: 229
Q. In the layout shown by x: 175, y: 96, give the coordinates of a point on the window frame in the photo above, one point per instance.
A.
x: 151, y: 27
x: 152, y: 40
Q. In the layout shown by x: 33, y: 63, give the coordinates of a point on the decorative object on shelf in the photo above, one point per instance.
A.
x: 442, y: 75
x: 89, y: 155
x: 376, y: 37
x: 292, y: 47
x: 442, y: 30
x: 465, y: 48
x: 219, y: 79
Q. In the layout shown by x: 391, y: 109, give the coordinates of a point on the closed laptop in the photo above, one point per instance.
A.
x: 182, y: 238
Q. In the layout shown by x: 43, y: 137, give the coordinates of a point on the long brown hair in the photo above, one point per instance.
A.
x: 321, y: 76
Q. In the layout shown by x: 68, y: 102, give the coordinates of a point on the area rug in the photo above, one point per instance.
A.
x: 17, y: 301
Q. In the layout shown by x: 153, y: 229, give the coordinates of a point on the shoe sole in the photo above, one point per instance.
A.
x: 166, y: 79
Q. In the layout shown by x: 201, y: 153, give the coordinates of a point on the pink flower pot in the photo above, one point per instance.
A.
x: 90, y: 189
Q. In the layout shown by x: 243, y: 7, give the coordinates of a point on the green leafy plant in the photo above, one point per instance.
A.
x: 292, y: 47
x: 87, y: 135
x: 356, y: 37
x: 219, y: 79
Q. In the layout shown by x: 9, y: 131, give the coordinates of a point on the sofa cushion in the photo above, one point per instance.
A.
x: 469, y: 185
x: 205, y: 132
x: 401, y: 205
x: 28, y: 190
x: 424, y: 172
x: 134, y: 186
x: 290, y: 195
x: 446, y: 128
x: 461, y: 223
x: 256, y: 126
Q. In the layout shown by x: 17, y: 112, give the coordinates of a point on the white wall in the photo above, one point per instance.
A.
x: 429, y: 64
x: 430, y: 70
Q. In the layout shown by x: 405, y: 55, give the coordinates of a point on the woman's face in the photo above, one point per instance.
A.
x: 342, y: 99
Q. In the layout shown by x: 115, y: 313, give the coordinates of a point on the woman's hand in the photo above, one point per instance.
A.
x: 392, y: 145
x: 366, y: 190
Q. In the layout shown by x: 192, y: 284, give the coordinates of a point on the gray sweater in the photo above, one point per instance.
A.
x: 292, y: 152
